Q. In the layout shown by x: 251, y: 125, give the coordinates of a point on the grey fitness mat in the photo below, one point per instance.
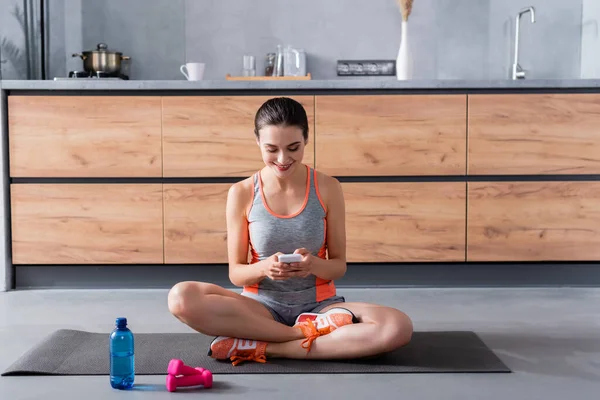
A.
x: 71, y: 352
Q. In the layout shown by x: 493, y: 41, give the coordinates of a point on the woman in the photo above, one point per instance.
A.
x: 286, y: 309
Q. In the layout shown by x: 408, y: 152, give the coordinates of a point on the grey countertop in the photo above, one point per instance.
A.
x: 333, y: 84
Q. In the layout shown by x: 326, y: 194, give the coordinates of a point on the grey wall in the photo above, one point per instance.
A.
x: 590, y: 41
x: 550, y: 48
x: 10, y: 31
x: 56, y: 36
x: 152, y: 33
x: 458, y: 39
x: 451, y: 39
x: 220, y: 33
x: 447, y: 41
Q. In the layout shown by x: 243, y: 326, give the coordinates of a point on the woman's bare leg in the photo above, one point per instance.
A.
x: 381, y: 329
x: 215, y: 311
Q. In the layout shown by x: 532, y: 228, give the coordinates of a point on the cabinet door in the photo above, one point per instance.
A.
x: 195, y: 225
x: 84, y: 136
x: 512, y: 134
x: 391, y: 135
x: 213, y: 136
x: 399, y: 222
x: 533, y: 221
x: 86, y: 223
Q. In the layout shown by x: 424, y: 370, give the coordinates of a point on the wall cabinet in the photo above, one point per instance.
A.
x: 534, y: 134
x: 195, y: 226
x: 84, y: 136
x: 383, y: 135
x: 405, y: 221
x: 533, y: 221
x: 432, y: 218
x: 213, y: 136
x: 87, y: 223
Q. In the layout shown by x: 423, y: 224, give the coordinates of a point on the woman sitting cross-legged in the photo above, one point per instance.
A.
x: 292, y: 309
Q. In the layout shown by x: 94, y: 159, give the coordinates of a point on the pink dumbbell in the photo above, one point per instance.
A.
x: 174, y: 382
x: 181, y: 375
x: 177, y: 367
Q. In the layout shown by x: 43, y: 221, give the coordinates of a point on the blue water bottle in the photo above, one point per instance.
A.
x: 122, y: 365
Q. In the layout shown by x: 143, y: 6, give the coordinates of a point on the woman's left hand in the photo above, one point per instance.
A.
x: 303, y: 268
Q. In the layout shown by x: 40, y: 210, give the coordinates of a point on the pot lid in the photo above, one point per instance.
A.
x: 102, y: 47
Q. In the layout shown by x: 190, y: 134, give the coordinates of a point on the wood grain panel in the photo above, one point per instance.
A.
x: 397, y: 222
x: 85, y: 136
x: 195, y: 225
x: 533, y: 221
x: 391, y: 135
x: 86, y: 223
x: 534, y: 134
x: 213, y: 136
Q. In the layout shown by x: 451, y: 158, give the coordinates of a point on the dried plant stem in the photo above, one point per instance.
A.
x: 405, y: 7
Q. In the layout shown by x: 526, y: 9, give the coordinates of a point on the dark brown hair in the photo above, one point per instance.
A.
x: 281, y: 111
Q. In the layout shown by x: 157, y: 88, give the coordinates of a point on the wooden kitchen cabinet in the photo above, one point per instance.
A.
x: 213, y: 136
x: 195, y: 224
x: 87, y: 223
x: 405, y: 221
x: 533, y: 221
x: 383, y: 135
x: 84, y: 136
x: 385, y: 222
x: 512, y: 134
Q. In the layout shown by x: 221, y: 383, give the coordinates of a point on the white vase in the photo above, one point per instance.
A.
x: 404, y: 61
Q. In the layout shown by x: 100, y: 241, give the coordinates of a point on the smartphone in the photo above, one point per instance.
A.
x: 290, y: 258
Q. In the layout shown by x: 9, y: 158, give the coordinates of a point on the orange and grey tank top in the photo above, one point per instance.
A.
x: 270, y: 233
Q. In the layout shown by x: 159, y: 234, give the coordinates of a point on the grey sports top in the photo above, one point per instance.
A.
x: 271, y: 233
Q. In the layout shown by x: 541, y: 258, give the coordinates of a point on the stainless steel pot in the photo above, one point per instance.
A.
x: 102, y: 60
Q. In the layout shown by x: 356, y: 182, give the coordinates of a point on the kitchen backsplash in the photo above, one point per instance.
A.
x: 450, y: 39
x: 590, y: 40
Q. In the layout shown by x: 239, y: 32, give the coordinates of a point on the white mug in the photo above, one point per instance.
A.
x: 195, y: 71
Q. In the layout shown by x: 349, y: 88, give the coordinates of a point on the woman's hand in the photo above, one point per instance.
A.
x: 303, y: 268
x: 279, y: 271
x: 276, y: 270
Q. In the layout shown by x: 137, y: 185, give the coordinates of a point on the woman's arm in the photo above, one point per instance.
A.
x: 241, y: 273
x: 334, y: 267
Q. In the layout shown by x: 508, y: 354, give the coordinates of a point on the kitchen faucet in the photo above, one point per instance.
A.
x: 517, y: 71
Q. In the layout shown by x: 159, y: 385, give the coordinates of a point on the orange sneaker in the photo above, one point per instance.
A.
x: 237, y: 350
x: 314, y: 325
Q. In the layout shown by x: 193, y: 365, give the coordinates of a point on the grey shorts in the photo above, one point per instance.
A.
x: 287, y: 314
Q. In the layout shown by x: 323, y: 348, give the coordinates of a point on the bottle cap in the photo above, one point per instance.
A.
x: 121, y: 322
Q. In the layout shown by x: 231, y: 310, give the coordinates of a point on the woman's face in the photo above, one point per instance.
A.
x: 282, y: 148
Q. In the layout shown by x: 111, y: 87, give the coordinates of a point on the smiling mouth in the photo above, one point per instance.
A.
x: 283, y: 167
